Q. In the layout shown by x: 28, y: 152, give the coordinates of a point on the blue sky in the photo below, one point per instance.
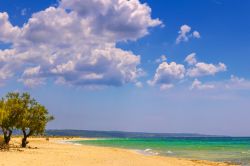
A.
x: 167, y: 66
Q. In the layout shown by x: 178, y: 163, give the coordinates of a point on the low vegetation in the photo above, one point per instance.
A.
x: 21, y: 112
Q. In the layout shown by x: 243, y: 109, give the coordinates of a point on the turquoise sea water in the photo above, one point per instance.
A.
x: 233, y: 150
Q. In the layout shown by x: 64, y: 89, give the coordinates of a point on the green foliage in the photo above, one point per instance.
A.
x: 9, y: 114
x: 11, y: 110
x: 34, y: 116
x: 20, y: 111
x: 3, y: 113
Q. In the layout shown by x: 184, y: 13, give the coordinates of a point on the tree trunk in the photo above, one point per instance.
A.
x: 24, y: 140
x: 7, y: 135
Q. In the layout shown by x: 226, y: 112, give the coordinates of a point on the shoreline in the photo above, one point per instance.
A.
x: 145, y: 152
x: 55, y: 152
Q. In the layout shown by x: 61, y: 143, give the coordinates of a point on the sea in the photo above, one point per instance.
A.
x: 235, y: 150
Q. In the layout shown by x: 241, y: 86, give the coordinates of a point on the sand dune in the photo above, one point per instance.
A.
x: 53, y: 153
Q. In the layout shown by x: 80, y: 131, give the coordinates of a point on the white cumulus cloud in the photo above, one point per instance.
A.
x: 196, y: 34
x: 237, y: 83
x: 167, y: 73
x: 75, y: 43
x: 191, y: 59
x: 185, y: 34
x: 8, y: 32
x: 205, y: 69
x: 200, y: 86
x: 118, y: 19
x: 198, y: 69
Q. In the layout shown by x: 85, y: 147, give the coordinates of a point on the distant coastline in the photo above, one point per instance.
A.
x: 120, y: 134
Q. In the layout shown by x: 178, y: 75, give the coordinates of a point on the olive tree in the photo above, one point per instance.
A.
x: 10, y: 111
x: 33, y: 119
x: 3, y: 122
x: 20, y: 111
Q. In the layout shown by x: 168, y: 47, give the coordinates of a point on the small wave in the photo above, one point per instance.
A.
x: 169, y: 152
x: 151, y: 152
x: 67, y: 142
x: 62, y: 142
x: 245, y: 152
x: 147, y: 150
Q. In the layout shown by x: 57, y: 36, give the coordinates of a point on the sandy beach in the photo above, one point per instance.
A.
x: 54, y: 153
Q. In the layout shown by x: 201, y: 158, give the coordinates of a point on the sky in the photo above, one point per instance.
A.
x: 151, y: 66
